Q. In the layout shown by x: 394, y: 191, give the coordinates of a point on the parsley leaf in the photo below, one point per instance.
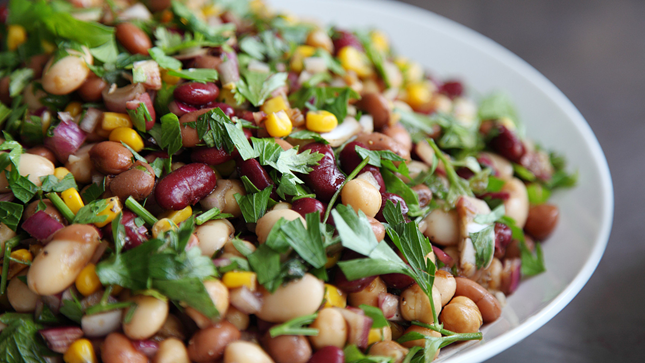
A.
x: 376, y: 156
x: 170, y: 133
x: 140, y: 116
x: 202, y: 75
x: 94, y: 191
x: 484, y: 243
x: 19, y: 340
x: 308, y: 135
x: 257, y: 86
x: 395, y: 185
x: 19, y: 79
x: 458, y: 185
x: 89, y: 213
x: 295, y: 327
x: 531, y: 264
x: 378, y: 319
x: 51, y: 183
x: 306, y: 241
x: 10, y: 214
x: 499, y: 105
x: 216, y: 129
x: 163, y: 60
x: 253, y: 206
x: 22, y: 188
x: 72, y: 309
x: 190, y: 291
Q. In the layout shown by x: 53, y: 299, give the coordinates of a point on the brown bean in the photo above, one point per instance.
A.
x: 399, y: 134
x: 158, y: 5
x: 111, y: 157
x: 390, y: 349
x: 118, y: 349
x: 44, y: 152
x: 424, y: 194
x: 542, y: 220
x: 488, y: 305
x: 420, y: 342
x: 135, y: 40
x: 379, y: 141
x: 287, y: 348
x: 377, y: 228
x: 378, y: 106
x: 92, y: 89
x: 189, y: 136
x: 207, y: 61
x: 208, y: 344
x: 37, y: 64
x: 185, y: 186
x: 49, y: 209
x: 461, y: 315
x: 137, y: 182
x: 4, y: 90
x: 369, y: 295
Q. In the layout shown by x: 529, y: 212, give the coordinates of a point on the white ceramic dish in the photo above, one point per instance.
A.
x: 452, y: 50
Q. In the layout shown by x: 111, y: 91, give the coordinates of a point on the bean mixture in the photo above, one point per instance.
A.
x: 215, y: 181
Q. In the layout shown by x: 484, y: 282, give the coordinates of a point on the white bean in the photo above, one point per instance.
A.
x: 213, y: 235
x: 80, y: 164
x: 218, y: 293
x: 245, y: 352
x: 501, y: 164
x: 35, y: 166
x: 67, y: 74
x: 223, y: 197
x: 517, y: 204
x: 296, y: 298
x: 267, y: 221
x: 5, y: 234
x: 149, y: 316
x: 20, y: 297
x: 171, y: 350
x: 442, y: 227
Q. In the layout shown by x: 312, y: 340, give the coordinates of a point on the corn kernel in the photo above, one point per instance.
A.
x: 375, y: 335
x: 320, y: 39
x: 275, y: 104
x: 380, y: 41
x: 418, y: 94
x: 235, y: 279
x: 48, y: 47
x: 16, y: 35
x: 88, y: 281
x: 227, y: 95
x: 161, y: 226
x: 278, y: 124
x: 116, y: 290
x: 60, y: 172
x: 166, y: 16
x: 169, y: 78
x: 74, y: 108
x: 112, y: 120
x: 46, y: 121
x: 355, y: 60
x: 128, y: 136
x: 334, y: 297
x: 15, y: 267
x: 321, y: 121
x: 301, y: 52
x: 72, y: 199
x: 211, y: 10
x: 81, y: 351
x: 178, y: 216
x: 332, y: 260
x: 113, y: 210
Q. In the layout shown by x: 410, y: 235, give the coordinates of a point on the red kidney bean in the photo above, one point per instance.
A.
x: 195, y: 93
x: 329, y: 354
x: 210, y: 155
x: 245, y: 115
x: 342, y: 283
x: 254, y: 171
x: 376, y: 173
x: 134, y: 235
x: 344, y: 38
x: 180, y: 108
x: 185, y: 186
x: 503, y: 236
x: 507, y: 144
x: 349, y: 160
x: 465, y: 173
x: 394, y: 198
x: 397, y: 281
x: 305, y: 206
x: 325, y: 178
x: 452, y: 89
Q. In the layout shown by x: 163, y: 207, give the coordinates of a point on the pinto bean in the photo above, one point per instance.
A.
x: 135, y: 40
x: 207, y: 61
x: 111, y: 157
x: 296, y: 298
x: 44, y: 152
x: 117, y: 348
x: 461, y: 315
x: 488, y: 305
x: 116, y: 99
x: 266, y: 223
x: 325, y: 178
x: 208, y: 344
x: 287, y: 348
x: 185, y: 186
x: 379, y: 141
x: 378, y: 106
x: 137, y: 182
x: 92, y: 89
x: 542, y: 220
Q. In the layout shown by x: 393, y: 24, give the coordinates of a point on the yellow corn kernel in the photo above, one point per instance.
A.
x: 380, y: 41
x: 116, y: 289
x: 22, y: 255
x: 81, y: 351
x: 211, y: 10
x: 15, y: 267
x: 169, y: 78
x: 418, y: 94
x: 321, y: 121
x: 112, y: 120
x: 278, y: 124
x: 88, y: 281
x: 235, y: 279
x: 178, y: 216
x: 334, y: 297
x: 332, y: 260
x: 161, y: 226
x: 299, y: 54
x: 48, y: 47
x: 60, y: 172
x: 274, y: 104
x: 72, y: 199
x: 46, y: 121
x: 227, y: 95
x: 376, y: 335
x: 166, y: 16
x: 74, y: 108
x: 113, y: 210
x: 16, y: 35
x: 128, y: 136
x: 353, y: 59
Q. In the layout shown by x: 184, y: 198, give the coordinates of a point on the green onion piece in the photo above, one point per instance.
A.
x: 349, y: 177
x: 8, y: 246
x: 139, y: 210
x: 206, y: 216
x: 61, y: 206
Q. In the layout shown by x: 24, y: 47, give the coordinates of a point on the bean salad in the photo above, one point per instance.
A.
x: 218, y: 181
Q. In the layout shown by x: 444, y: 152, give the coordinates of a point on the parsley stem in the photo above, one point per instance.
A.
x: 139, y: 210
x: 8, y: 246
x: 61, y: 206
x: 206, y: 216
x: 351, y: 176
x: 462, y: 336
x: 295, y: 327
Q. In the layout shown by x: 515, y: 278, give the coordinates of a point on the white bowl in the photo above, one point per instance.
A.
x: 452, y: 50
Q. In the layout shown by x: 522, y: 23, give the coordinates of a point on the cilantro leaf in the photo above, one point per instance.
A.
x: 257, y: 86
x: 202, y: 75
x: 170, y: 133
x: 163, y: 60
x: 253, y: 206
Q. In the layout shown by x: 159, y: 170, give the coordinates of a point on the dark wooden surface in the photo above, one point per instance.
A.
x: 594, y: 51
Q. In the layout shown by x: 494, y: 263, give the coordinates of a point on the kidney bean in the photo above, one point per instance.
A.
x: 344, y: 38
x: 135, y: 40
x: 110, y: 157
x: 210, y: 155
x: 305, y: 206
x: 349, y: 158
x: 452, y: 89
x: 424, y: 194
x: 342, y: 283
x: 134, y: 235
x: 195, y: 93
x: 44, y: 152
x: 329, y: 354
x: 507, y: 144
x: 503, y: 236
x: 208, y: 344
x: 394, y: 198
x: 487, y: 303
x: 542, y: 220
x: 287, y: 348
x: 255, y: 172
x: 185, y: 186
x: 92, y: 89
x: 379, y: 107
x: 137, y: 182
x: 325, y: 178
x: 189, y: 137
x: 227, y: 109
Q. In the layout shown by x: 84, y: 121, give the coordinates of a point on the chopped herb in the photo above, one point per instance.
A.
x: 94, y: 191
x: 531, y: 264
x: 378, y: 319
x: 10, y: 214
x: 458, y: 186
x: 170, y: 134
x: 19, y: 79
x: 523, y: 172
x: 140, y: 116
x: 211, y: 214
x: 395, y: 185
x: 61, y: 206
x: 308, y: 135
x: 377, y: 155
x: 484, y: 243
x: 295, y: 327
x: 253, y: 206
x: 216, y: 129
x: 140, y: 211
x: 163, y: 60
x: 20, y: 341
x: 51, y: 183
x: 89, y: 213
x: 257, y: 86
x: 202, y: 75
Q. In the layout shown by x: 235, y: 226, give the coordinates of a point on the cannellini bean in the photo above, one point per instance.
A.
x: 461, y: 316
x: 80, y: 164
x: 213, y: 235
x: 61, y: 260
x: 270, y: 218
x: 20, y: 297
x: 296, y: 298
x: 245, y: 352
x: 445, y: 283
x: 237, y: 318
x: 68, y: 73
x: 517, y: 205
x: 223, y: 197
x: 149, y: 316
x: 171, y: 350
x: 369, y: 295
x: 415, y: 304
x: 332, y: 329
x: 218, y: 293
x: 31, y: 166
x: 442, y: 227
x: 6, y: 233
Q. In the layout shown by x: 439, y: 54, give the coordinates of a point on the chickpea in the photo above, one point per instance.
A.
x: 287, y: 348
x: 442, y: 227
x: 208, y: 344
x: 415, y: 305
x: 461, y: 316
x: 445, y: 283
x: 237, y: 318
x: 149, y: 316
x: 20, y: 297
x: 369, y: 295
x: 361, y: 195
x: 265, y: 224
x: 281, y: 205
x: 420, y: 342
x: 80, y: 164
x: 218, y: 293
x: 223, y: 197
x: 245, y: 352
x: 517, y: 204
x: 118, y: 349
x: 389, y: 348
x: 332, y: 329
x: 171, y: 351
x: 213, y: 235
x: 296, y: 298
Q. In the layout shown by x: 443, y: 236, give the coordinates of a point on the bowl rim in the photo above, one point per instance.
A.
x: 482, y: 43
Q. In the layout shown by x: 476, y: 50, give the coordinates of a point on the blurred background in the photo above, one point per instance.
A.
x: 594, y: 51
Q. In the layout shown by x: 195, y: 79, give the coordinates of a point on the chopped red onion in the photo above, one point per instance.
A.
x: 443, y: 257
x: 244, y: 300
x: 148, y: 347
x: 511, y: 275
x: 41, y: 225
x: 60, y: 338
x: 67, y: 139
x: 180, y: 108
x: 7, y: 197
x: 146, y: 100
x: 221, y: 262
x: 228, y: 70
x: 359, y: 327
x: 91, y: 119
x: 116, y: 98
x: 389, y: 304
x: 53, y: 302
